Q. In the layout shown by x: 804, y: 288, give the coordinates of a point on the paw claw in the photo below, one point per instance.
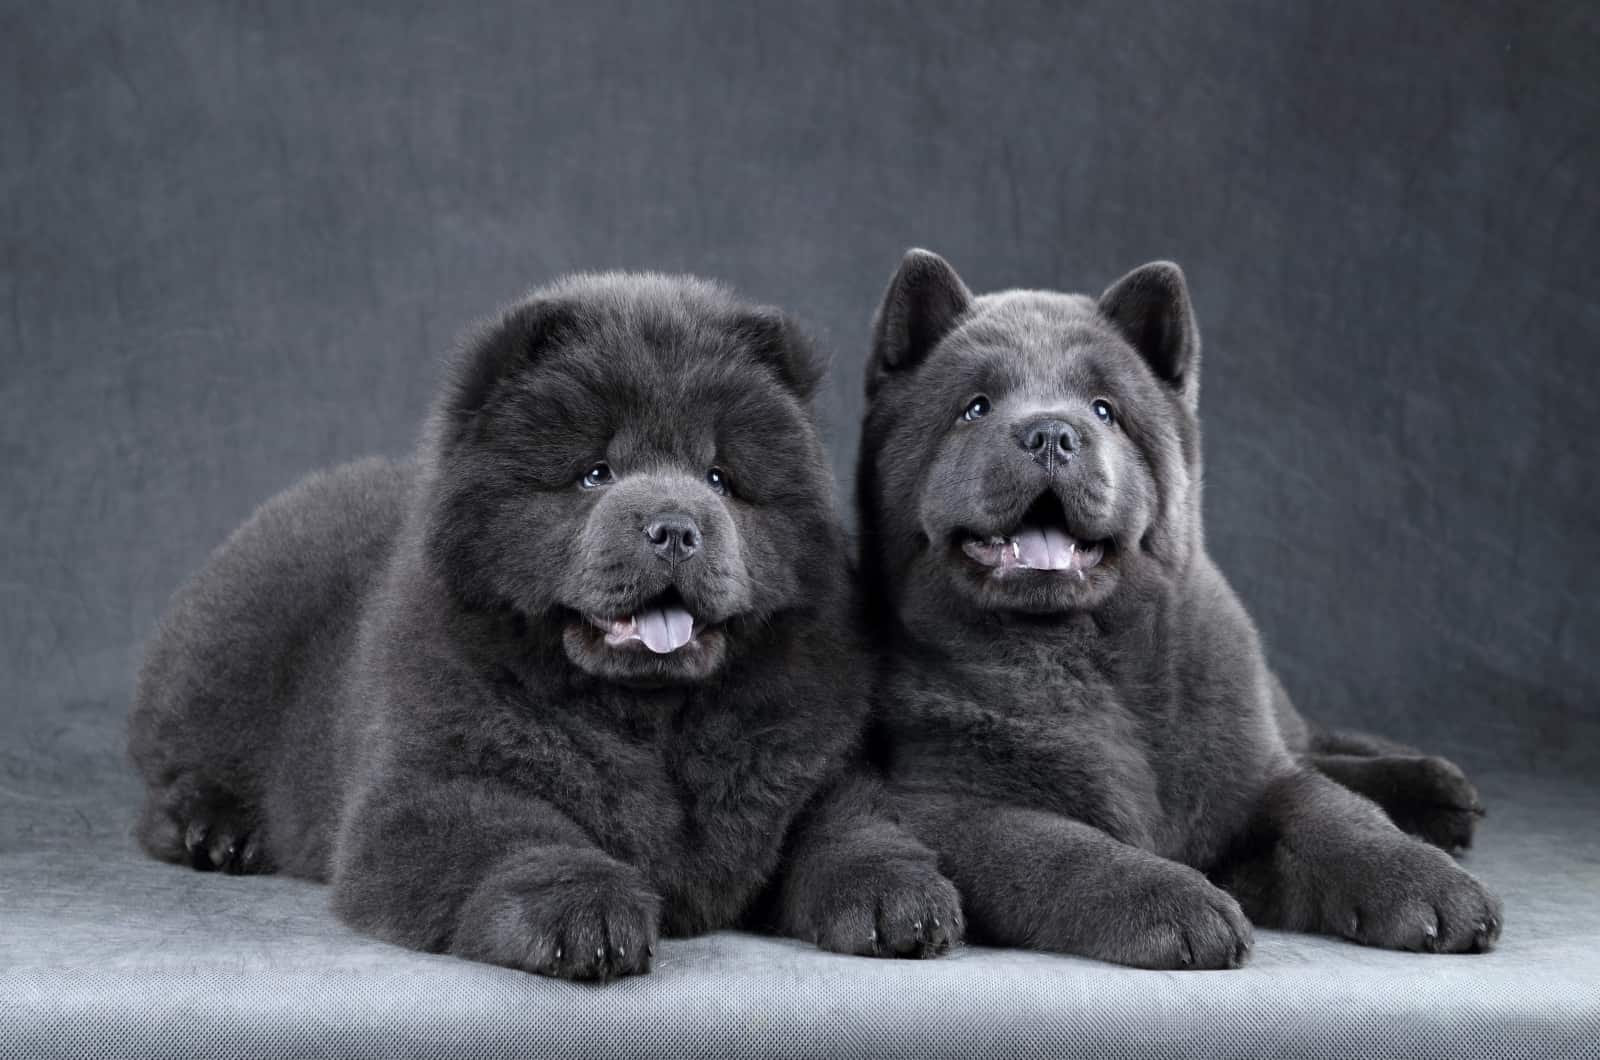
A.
x: 1487, y: 931
x: 890, y: 912
x: 1411, y: 896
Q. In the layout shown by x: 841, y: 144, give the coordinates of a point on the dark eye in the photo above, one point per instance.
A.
x: 718, y: 479
x: 977, y: 408
x: 1102, y: 408
x: 596, y: 476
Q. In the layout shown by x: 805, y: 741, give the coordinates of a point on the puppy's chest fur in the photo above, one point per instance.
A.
x: 695, y: 790
x: 1095, y: 737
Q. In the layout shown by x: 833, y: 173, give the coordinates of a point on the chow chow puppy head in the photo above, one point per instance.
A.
x: 1029, y: 452
x: 629, y: 463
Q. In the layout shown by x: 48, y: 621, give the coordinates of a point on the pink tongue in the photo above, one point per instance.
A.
x: 1044, y: 548
x: 665, y: 629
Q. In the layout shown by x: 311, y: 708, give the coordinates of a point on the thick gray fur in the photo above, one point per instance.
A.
x: 1106, y: 766
x: 387, y: 678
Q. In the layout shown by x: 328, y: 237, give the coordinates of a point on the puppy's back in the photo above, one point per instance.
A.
x: 238, y: 698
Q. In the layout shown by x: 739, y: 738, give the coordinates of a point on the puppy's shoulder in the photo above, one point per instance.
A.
x: 1219, y: 642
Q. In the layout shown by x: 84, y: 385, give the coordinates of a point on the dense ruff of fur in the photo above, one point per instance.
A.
x: 395, y: 676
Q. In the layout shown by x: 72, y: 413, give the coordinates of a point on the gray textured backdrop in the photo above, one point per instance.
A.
x: 236, y: 239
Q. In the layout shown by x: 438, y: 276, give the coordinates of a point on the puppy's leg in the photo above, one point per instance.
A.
x: 1423, y: 794
x: 1303, y: 736
x: 486, y: 874
x: 853, y: 881
x: 1037, y: 879
x: 1355, y: 742
x: 1320, y: 858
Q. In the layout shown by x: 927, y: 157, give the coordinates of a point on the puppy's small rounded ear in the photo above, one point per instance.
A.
x: 501, y: 347
x: 924, y: 301
x: 778, y: 342
x: 1150, y: 308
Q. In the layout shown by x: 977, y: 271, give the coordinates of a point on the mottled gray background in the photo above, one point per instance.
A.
x: 237, y: 237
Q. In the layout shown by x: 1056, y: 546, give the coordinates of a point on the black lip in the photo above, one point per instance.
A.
x: 698, y: 644
x: 1047, y: 509
x: 666, y: 597
x: 702, y: 626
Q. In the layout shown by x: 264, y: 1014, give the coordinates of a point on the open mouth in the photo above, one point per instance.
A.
x: 1040, y: 542
x: 663, y: 625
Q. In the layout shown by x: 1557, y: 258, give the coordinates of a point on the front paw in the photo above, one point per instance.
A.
x: 1411, y: 896
x: 893, y: 909
x: 1175, y: 919
x: 561, y: 912
x: 1431, y: 798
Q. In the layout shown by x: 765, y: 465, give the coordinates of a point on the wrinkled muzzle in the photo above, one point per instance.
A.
x: 1021, y: 529
x: 657, y: 570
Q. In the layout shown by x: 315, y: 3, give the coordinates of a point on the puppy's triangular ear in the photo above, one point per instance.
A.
x: 1150, y: 308
x: 774, y: 337
x: 498, y: 349
x: 924, y: 302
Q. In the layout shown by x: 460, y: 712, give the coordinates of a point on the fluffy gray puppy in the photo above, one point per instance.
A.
x: 1077, y: 713
x: 582, y: 673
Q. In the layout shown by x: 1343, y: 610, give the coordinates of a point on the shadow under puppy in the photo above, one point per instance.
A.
x: 1077, y: 712
x: 579, y: 674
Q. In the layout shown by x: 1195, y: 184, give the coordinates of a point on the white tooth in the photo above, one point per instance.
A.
x: 1016, y: 550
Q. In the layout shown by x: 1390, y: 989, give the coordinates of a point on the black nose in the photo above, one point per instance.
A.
x: 1048, y: 440
x: 673, y: 535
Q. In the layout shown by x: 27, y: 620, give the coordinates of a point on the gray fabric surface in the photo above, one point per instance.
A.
x: 235, y: 238
x: 104, y: 953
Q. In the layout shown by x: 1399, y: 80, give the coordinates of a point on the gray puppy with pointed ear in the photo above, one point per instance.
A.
x: 1076, y: 712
